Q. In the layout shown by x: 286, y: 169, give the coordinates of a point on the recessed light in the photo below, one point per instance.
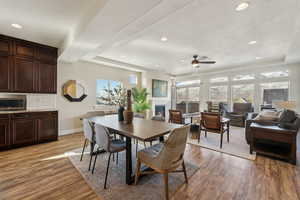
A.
x: 242, y: 6
x: 252, y: 42
x: 164, y: 39
x: 257, y: 58
x: 18, y: 26
x: 182, y: 61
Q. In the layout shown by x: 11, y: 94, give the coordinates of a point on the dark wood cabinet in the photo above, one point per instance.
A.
x: 46, y: 78
x: 27, y: 67
x: 23, y: 129
x: 24, y: 75
x: 5, y: 73
x: 47, y: 127
x: 4, y: 131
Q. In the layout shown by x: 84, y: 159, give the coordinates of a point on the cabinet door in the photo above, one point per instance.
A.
x: 47, y: 127
x: 4, y: 133
x: 5, y: 46
x: 24, y: 49
x: 24, y: 75
x: 5, y: 73
x: 23, y: 131
x: 46, y: 78
x: 47, y: 54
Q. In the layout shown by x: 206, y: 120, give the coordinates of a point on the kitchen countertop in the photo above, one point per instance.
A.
x: 28, y: 111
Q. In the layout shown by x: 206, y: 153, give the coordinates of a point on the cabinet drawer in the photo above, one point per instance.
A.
x: 47, y: 55
x: 22, y: 115
x: 5, y: 46
x: 24, y: 49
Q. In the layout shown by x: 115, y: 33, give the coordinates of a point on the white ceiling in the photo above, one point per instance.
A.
x: 128, y: 32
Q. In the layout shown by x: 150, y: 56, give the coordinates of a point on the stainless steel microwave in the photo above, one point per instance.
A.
x: 12, y: 102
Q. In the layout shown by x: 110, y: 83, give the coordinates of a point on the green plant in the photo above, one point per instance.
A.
x: 116, y: 96
x: 141, y: 103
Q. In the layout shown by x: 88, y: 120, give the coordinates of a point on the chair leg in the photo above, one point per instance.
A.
x: 205, y: 133
x: 184, y: 171
x: 91, y: 158
x: 137, y: 172
x: 151, y: 143
x: 221, y: 142
x: 166, y: 180
x: 113, y: 157
x: 94, y: 164
x: 107, y: 170
x: 83, y: 149
x: 199, y: 136
x: 117, y: 158
x: 227, y: 136
x: 136, y: 149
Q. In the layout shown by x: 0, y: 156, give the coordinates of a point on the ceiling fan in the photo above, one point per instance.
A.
x: 196, y: 61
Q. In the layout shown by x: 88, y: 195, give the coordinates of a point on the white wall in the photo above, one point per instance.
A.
x: 294, y: 77
x: 87, y: 74
x: 147, y: 83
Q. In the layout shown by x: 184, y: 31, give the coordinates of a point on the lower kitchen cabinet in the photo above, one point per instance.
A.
x: 22, y: 129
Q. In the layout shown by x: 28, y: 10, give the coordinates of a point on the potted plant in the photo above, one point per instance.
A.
x: 140, y: 102
x: 117, y: 96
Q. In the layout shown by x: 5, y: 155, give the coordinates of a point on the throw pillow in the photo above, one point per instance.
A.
x: 268, y: 115
x: 287, y: 118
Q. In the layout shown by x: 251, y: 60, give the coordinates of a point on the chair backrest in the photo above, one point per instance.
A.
x: 88, y: 130
x: 242, y: 108
x: 175, y: 116
x: 211, y: 120
x: 102, y: 137
x: 171, y: 155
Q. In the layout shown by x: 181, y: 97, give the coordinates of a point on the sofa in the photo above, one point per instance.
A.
x: 293, y: 125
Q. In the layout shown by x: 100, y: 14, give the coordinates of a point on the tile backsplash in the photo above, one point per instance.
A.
x: 41, y: 101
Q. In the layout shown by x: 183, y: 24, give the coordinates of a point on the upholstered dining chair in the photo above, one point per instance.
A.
x: 175, y: 116
x: 109, y: 144
x: 88, y: 132
x: 165, y: 158
x: 212, y: 122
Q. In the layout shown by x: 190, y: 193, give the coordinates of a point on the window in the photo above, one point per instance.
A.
x: 101, y: 89
x: 277, y: 74
x: 218, y: 93
x: 188, y: 99
x: 243, y: 77
x: 187, y: 83
x: 243, y: 93
x: 219, y: 79
x: 274, y: 92
x: 133, y: 80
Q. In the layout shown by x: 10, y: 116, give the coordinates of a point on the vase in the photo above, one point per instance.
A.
x: 120, y: 113
x: 128, y: 114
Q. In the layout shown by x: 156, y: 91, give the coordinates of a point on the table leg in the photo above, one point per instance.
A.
x: 161, y: 139
x: 129, y: 179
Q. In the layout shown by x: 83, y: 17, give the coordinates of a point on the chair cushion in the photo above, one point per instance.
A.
x: 148, y: 154
x: 117, y: 145
x: 268, y: 115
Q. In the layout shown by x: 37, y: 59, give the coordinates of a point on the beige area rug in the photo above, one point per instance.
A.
x: 149, y: 187
x: 237, y: 145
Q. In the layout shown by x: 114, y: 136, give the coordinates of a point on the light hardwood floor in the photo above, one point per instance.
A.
x: 43, y: 172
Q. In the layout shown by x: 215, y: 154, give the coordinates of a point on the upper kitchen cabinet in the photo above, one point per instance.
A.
x: 27, y: 67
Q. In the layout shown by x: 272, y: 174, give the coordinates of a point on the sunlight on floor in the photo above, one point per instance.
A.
x: 64, y: 155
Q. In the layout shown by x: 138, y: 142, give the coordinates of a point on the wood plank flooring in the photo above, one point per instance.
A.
x: 43, y: 172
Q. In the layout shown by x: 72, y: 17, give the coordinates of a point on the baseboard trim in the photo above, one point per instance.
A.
x: 70, y: 131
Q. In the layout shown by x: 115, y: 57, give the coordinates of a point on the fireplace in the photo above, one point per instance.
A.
x: 160, y: 110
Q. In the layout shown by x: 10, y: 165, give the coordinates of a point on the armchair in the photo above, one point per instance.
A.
x: 239, y: 114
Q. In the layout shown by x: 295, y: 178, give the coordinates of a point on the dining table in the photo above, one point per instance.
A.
x: 141, y: 129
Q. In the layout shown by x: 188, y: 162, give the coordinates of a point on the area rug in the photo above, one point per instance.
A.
x: 237, y: 145
x: 149, y: 187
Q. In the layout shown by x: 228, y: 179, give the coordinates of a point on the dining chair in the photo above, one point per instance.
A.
x: 175, y: 116
x: 165, y: 158
x: 88, y: 131
x: 212, y: 122
x: 109, y: 144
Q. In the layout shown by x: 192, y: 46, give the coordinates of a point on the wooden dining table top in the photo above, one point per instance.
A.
x: 142, y: 129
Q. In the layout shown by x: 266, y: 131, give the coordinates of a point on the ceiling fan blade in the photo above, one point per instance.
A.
x: 207, y: 62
